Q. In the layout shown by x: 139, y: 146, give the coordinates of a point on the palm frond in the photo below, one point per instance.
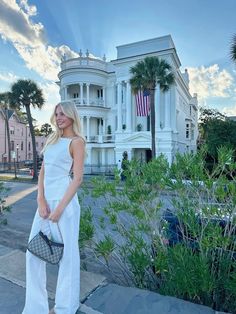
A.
x: 233, y: 49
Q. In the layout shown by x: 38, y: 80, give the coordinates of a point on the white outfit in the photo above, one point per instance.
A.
x: 57, y: 165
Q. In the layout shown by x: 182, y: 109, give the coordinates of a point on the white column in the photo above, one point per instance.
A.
x: 128, y: 106
x: 88, y: 161
x: 119, y: 112
x: 173, y: 107
x: 167, y: 110
x: 104, y: 96
x: 65, y: 93
x: 81, y: 93
x: 103, y: 156
x: 82, y: 123
x: 104, y: 126
x: 88, y: 128
x: 158, y: 107
x: 87, y: 94
x: 61, y: 93
x: 118, y: 157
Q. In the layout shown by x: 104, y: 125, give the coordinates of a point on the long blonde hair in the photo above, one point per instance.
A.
x: 69, y: 109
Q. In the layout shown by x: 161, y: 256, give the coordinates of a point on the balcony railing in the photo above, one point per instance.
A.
x: 83, y: 62
x: 107, y: 138
x: 98, y: 169
x: 96, y: 102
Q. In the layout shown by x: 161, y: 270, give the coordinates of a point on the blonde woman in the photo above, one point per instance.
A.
x: 58, y: 205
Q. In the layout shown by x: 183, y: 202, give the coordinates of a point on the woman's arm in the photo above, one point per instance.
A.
x: 77, y: 151
x: 42, y: 203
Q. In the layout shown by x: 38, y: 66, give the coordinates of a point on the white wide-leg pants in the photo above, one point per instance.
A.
x: 68, y: 282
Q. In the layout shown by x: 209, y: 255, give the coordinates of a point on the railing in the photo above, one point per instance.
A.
x: 97, y: 169
x: 83, y: 62
x: 107, y: 138
x: 92, y: 102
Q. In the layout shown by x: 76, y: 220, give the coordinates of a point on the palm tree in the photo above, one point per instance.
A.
x: 233, y: 49
x: 5, y: 104
x: 24, y: 94
x: 146, y: 75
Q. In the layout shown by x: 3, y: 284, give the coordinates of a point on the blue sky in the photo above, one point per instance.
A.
x: 35, y: 34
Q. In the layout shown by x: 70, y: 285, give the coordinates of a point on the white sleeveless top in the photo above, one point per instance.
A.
x: 57, y: 166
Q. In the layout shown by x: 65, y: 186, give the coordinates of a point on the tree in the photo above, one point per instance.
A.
x: 5, y: 104
x: 46, y: 129
x: 24, y: 94
x: 146, y: 75
x: 216, y: 131
x: 233, y: 49
x: 37, y: 132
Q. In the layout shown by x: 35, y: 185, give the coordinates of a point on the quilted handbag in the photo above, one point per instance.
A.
x: 46, y: 249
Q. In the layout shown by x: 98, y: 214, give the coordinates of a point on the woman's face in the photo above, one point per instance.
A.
x: 62, y: 120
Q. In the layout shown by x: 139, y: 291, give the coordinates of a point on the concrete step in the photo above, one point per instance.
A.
x: 12, y: 268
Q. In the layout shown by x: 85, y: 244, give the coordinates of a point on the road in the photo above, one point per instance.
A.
x: 22, y: 199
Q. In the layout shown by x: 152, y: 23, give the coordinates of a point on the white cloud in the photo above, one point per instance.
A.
x: 8, y: 77
x: 51, y: 95
x: 210, y: 82
x: 30, y: 9
x: 229, y: 111
x: 29, y: 38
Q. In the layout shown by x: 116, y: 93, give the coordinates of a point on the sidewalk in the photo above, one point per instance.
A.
x: 97, y: 295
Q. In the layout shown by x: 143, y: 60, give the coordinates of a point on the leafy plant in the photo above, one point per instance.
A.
x: 192, y: 255
x: 3, y: 207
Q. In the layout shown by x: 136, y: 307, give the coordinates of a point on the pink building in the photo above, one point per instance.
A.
x: 20, y: 139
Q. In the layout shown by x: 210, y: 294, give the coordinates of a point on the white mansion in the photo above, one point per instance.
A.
x: 102, y: 93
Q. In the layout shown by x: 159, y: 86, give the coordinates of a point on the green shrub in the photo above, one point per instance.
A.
x: 3, y: 207
x: 135, y: 242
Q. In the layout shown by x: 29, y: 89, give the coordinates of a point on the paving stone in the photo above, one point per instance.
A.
x: 114, y: 299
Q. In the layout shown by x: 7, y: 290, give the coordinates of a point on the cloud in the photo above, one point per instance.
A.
x: 29, y: 39
x: 8, y: 77
x: 30, y: 9
x: 229, y: 111
x: 52, y: 97
x: 16, y: 26
x: 210, y: 82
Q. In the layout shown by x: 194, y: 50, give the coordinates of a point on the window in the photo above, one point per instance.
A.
x: 99, y: 93
x: 12, y: 145
x: 187, y: 130
x: 76, y: 95
x: 29, y: 146
x: 22, y: 132
x: 192, y: 132
x: 12, y: 130
x: 37, y: 144
x: 22, y: 146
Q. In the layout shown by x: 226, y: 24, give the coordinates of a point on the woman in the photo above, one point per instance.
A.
x: 59, y: 208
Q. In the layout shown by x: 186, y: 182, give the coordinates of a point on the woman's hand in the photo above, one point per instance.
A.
x: 43, y: 209
x: 55, y: 215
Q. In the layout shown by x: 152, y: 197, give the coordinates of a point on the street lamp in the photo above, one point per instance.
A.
x: 17, y: 155
x: 13, y: 156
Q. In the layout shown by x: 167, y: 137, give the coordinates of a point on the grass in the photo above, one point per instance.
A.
x: 13, y: 179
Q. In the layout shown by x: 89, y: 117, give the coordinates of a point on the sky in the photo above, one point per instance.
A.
x: 35, y: 34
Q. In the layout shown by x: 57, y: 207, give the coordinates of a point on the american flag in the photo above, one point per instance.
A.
x: 142, y: 103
